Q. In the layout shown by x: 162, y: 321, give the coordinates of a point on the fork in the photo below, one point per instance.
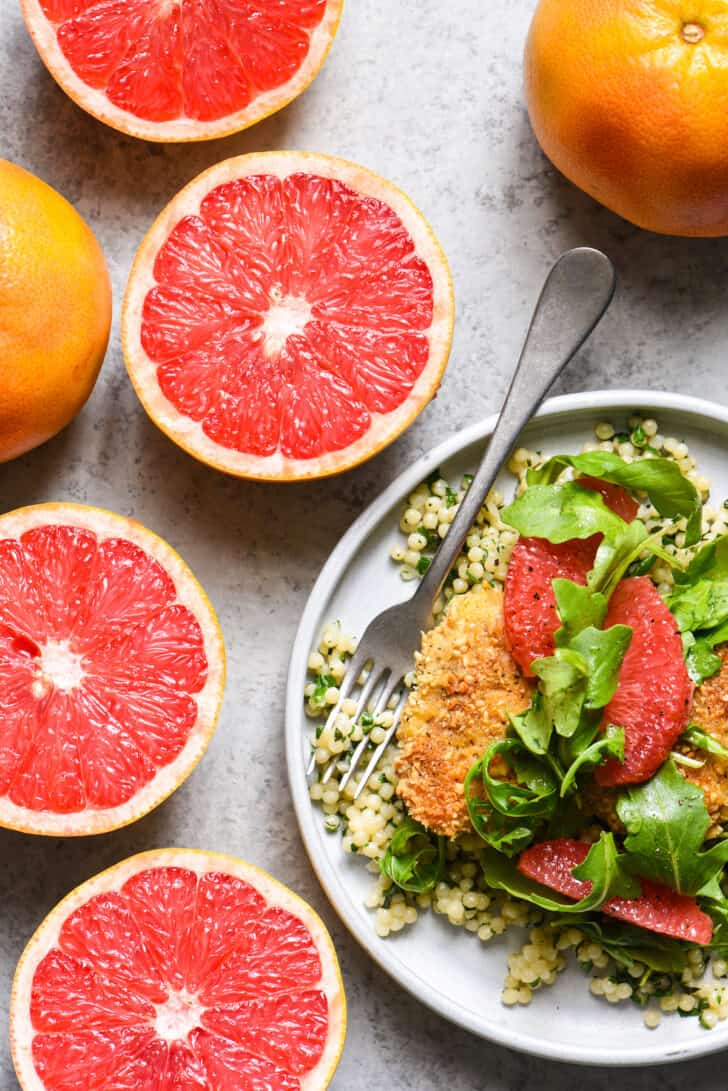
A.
x: 575, y: 295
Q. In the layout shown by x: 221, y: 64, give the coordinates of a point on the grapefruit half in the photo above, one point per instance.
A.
x: 287, y: 316
x: 175, y: 70
x: 112, y: 670
x: 178, y: 970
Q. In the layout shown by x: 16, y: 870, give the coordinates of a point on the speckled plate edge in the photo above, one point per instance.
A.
x: 309, y: 819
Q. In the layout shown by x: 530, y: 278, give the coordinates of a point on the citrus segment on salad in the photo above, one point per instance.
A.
x: 561, y: 763
x: 178, y: 969
x: 654, y: 690
x: 656, y: 908
x: 112, y: 664
x: 287, y: 316
x: 530, y: 604
x: 191, y: 70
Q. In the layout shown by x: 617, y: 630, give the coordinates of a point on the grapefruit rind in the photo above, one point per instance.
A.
x: 106, y: 524
x: 180, y: 130
x: 385, y: 428
x: 275, y: 893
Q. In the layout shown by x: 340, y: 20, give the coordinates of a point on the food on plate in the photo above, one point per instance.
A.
x: 467, y: 684
x: 182, y: 71
x: 561, y: 760
x: 287, y: 316
x: 112, y: 666
x: 178, y: 968
x: 55, y: 300
x: 625, y: 99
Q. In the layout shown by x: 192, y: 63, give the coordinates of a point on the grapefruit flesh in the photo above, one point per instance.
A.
x: 178, y: 970
x: 654, y: 691
x: 658, y: 908
x: 182, y: 69
x: 531, y: 614
x: 111, y: 666
x: 287, y: 316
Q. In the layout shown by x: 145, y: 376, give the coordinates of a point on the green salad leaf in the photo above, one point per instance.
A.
x: 666, y: 821
x: 668, y: 489
x: 699, y: 604
x: 415, y: 858
x: 609, y: 745
x: 701, y: 740
x: 603, y: 867
x: 627, y: 944
x: 561, y: 513
x: 579, y: 608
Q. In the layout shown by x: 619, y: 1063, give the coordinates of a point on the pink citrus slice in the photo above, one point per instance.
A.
x: 287, y: 316
x: 172, y: 70
x: 111, y: 666
x: 178, y: 970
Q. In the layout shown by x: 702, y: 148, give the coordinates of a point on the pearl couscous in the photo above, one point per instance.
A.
x: 366, y: 826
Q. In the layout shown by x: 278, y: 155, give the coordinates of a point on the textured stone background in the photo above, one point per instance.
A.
x: 428, y: 93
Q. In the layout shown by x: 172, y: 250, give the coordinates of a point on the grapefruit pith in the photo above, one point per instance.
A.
x: 174, y: 70
x: 658, y: 908
x: 111, y: 668
x: 178, y: 970
x: 287, y: 316
x: 531, y: 615
x: 654, y: 691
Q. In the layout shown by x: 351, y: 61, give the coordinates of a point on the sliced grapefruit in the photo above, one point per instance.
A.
x: 530, y: 604
x: 658, y: 908
x: 173, y: 70
x: 178, y: 970
x: 111, y: 666
x: 654, y: 690
x: 287, y: 316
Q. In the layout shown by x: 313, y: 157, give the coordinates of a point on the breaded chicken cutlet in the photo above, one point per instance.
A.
x: 466, y: 684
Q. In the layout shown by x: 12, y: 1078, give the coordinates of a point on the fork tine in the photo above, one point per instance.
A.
x: 354, y: 668
x: 382, y: 701
x: 373, y: 681
x: 376, y: 756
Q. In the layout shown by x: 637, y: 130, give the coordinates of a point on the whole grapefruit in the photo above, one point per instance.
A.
x: 55, y: 311
x: 627, y: 98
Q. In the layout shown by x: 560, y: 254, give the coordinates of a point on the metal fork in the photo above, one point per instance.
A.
x: 575, y: 295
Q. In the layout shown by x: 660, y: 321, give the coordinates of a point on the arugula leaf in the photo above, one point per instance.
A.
x: 701, y: 605
x: 700, y: 659
x: 666, y: 821
x: 711, y: 561
x: 603, y: 651
x: 579, y: 608
x: 415, y: 858
x: 562, y: 512
x: 564, y: 680
x: 703, y: 741
x: 603, y: 867
x: 668, y: 489
x: 533, y: 727
x: 610, y: 745
x: 581, y: 676
x: 627, y: 944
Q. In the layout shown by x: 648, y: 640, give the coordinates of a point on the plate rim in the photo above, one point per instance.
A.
x: 618, y: 399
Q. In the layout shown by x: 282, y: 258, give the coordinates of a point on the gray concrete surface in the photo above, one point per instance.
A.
x: 428, y: 93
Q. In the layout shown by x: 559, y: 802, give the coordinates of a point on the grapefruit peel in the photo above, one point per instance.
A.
x: 199, y: 862
x: 189, y: 594
x: 182, y: 129
x: 385, y: 428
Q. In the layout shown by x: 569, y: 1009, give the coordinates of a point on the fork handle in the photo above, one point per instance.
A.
x: 575, y: 295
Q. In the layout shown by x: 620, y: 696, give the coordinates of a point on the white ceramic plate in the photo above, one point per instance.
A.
x: 447, y: 968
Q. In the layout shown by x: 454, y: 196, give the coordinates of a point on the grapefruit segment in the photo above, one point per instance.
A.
x: 654, y: 690
x: 531, y: 614
x: 658, y: 908
x: 178, y: 970
x: 287, y: 316
x: 112, y: 667
x: 183, y: 70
